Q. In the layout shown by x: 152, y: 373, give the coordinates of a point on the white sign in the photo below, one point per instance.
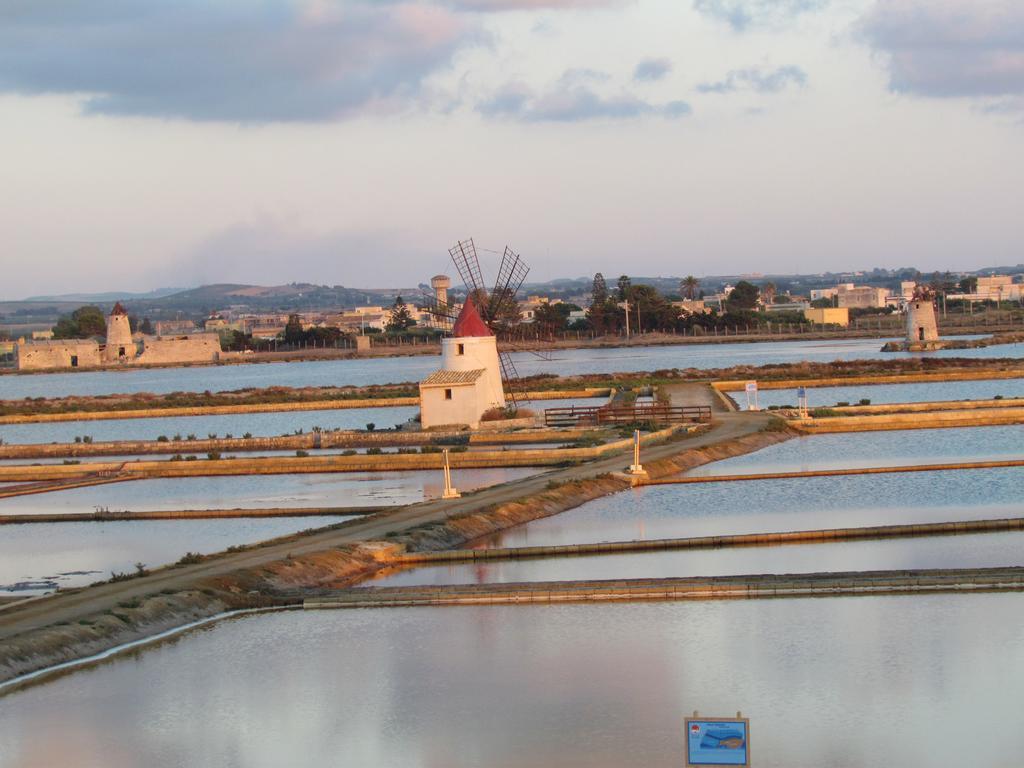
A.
x: 751, y: 387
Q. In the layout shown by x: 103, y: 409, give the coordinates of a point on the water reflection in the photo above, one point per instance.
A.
x: 876, y: 449
x: 920, y: 680
x: 972, y: 551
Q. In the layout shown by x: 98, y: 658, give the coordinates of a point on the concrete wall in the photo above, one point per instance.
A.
x: 468, y: 403
x: 828, y: 315
x: 42, y: 355
x: 196, y: 348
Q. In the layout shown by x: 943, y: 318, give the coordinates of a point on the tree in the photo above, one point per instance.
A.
x: 969, y: 285
x: 688, y: 287
x: 399, y: 320
x: 146, y: 326
x: 599, y: 291
x: 769, y: 293
x: 743, y: 296
x: 625, y: 288
x: 549, y: 318
x: 81, y: 324
x: 293, y: 333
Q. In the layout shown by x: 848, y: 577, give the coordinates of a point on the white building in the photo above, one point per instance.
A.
x: 469, y: 382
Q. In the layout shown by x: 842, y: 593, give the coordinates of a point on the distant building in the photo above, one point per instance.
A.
x: 171, y: 327
x: 119, y: 348
x: 689, y: 307
x: 788, y: 306
x: 921, y: 324
x: 828, y: 315
x: 42, y: 335
x: 861, y: 297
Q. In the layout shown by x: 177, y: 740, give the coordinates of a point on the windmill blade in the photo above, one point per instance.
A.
x: 442, y: 314
x: 511, y: 275
x: 543, y: 354
x: 467, y: 264
x: 510, y: 376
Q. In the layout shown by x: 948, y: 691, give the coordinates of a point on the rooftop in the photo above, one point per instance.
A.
x: 450, y: 378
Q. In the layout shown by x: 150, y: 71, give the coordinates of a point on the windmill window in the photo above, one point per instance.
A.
x: 460, y: 349
x: 447, y: 394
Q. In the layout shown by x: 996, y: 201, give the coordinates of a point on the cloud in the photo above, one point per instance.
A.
x: 271, y: 61
x: 573, y: 99
x: 742, y: 14
x: 652, y: 69
x: 950, y: 48
x: 757, y: 81
x: 271, y: 250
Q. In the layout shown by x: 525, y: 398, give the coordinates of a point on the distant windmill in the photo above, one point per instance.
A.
x: 498, y: 308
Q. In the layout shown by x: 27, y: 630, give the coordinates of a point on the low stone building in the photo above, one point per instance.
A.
x: 120, y: 348
x: 57, y: 353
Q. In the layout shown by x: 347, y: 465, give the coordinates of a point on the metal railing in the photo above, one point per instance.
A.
x: 575, y: 416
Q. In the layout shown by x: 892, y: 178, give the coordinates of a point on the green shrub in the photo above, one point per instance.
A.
x: 824, y: 413
x: 190, y: 558
x: 431, y: 449
x: 842, y: 404
x: 213, y: 455
x: 191, y: 458
x: 374, y: 451
x: 864, y: 401
x: 162, y: 439
x: 370, y: 427
x: 302, y: 454
x: 247, y: 436
x: 349, y: 452
x: 177, y: 457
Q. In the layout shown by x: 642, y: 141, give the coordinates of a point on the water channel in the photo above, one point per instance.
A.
x: 824, y: 397
x: 359, y: 372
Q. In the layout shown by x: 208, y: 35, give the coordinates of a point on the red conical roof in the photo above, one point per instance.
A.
x: 469, y: 322
x: 118, y: 309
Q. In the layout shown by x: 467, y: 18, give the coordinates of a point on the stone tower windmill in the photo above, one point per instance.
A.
x: 921, y: 324
x: 120, y: 346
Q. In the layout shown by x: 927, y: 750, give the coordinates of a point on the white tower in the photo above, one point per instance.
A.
x: 469, y: 383
x: 441, y: 284
x: 120, y: 345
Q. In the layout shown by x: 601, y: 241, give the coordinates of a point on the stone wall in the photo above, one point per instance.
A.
x: 196, y: 348
x: 70, y: 353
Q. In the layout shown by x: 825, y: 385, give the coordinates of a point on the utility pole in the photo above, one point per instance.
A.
x: 625, y: 305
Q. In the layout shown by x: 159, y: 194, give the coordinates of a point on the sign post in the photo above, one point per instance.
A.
x: 717, y: 740
x: 751, y: 390
x: 801, y: 394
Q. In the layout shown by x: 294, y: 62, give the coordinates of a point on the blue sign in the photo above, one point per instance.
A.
x: 801, y: 392
x: 717, y: 741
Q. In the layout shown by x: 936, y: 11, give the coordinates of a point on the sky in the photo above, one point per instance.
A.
x: 352, y: 142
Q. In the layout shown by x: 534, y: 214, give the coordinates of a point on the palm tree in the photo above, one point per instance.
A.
x: 688, y: 286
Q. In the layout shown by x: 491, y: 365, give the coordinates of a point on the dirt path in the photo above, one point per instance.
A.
x: 69, y: 606
x: 697, y: 393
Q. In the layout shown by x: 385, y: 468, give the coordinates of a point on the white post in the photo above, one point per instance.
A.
x: 636, y: 468
x: 449, y: 492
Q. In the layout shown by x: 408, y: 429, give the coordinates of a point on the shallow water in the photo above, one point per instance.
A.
x: 37, y: 558
x: 755, y: 506
x: 357, y: 489
x: 258, y: 424
x: 832, y: 682
x: 402, y: 369
x: 823, y: 397
x: 876, y: 449
x: 972, y: 551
